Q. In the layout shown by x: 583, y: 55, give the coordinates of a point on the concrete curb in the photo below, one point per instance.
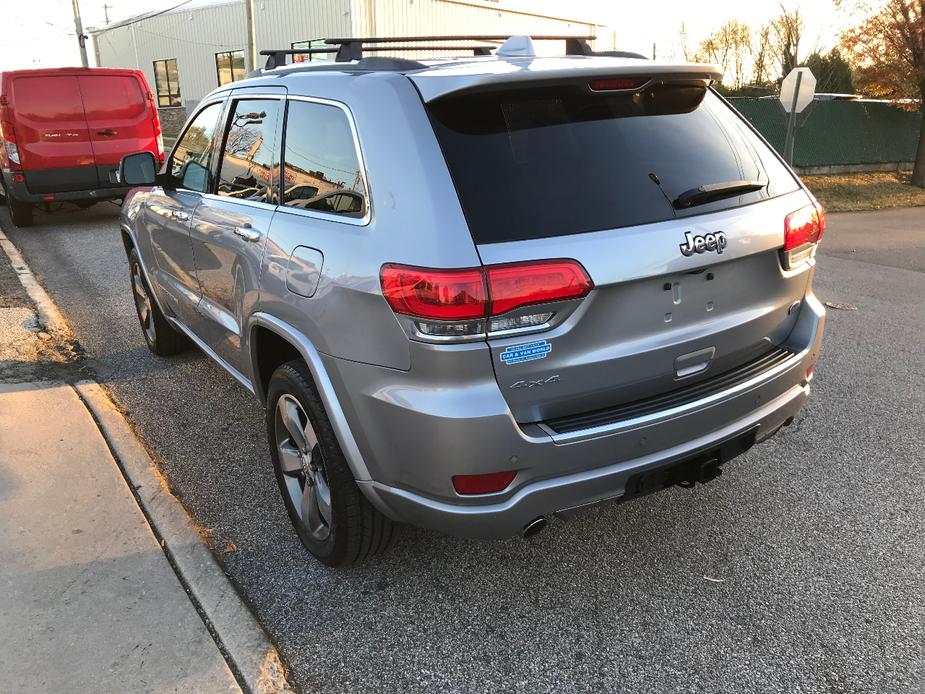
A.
x: 49, y: 315
x: 250, y: 653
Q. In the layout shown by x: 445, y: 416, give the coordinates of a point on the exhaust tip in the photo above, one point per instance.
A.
x: 534, y: 527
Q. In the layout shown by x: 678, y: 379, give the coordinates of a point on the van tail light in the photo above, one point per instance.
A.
x: 472, y: 301
x: 158, y: 135
x: 9, y: 144
x: 803, y: 229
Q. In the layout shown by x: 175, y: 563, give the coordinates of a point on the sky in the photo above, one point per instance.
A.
x: 40, y: 33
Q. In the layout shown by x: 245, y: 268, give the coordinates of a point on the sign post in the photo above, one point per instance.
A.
x: 796, y: 93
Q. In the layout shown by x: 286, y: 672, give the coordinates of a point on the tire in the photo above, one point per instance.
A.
x: 161, y: 337
x: 20, y: 212
x: 352, y: 530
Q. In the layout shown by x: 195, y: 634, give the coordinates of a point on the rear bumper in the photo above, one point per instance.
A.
x: 414, y: 441
x: 571, y: 492
x: 20, y: 192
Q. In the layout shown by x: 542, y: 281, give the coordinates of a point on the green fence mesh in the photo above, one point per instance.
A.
x: 835, y: 133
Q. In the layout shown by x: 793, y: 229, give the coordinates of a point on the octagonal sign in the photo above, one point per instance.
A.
x: 799, y: 81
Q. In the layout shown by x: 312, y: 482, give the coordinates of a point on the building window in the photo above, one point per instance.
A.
x: 230, y: 66
x: 308, y: 57
x: 167, y: 82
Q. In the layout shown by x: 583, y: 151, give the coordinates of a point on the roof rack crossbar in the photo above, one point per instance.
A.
x: 351, y: 48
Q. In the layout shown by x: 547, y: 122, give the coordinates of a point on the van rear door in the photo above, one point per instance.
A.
x: 52, y: 135
x: 120, y: 120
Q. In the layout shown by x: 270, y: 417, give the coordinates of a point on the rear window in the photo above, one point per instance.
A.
x: 536, y: 163
x: 47, y: 98
x: 112, y: 96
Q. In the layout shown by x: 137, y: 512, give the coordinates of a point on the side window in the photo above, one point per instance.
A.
x: 321, y: 170
x: 249, y: 156
x: 192, y: 156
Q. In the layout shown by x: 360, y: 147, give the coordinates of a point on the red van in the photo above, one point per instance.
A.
x: 63, y: 132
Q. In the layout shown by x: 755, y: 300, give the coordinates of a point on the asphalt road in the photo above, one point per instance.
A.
x: 814, y: 541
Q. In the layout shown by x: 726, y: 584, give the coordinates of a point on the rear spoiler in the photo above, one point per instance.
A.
x: 484, y: 76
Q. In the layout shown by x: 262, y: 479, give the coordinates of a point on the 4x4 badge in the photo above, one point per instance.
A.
x: 701, y: 244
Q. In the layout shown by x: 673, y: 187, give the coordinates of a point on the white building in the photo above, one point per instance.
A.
x: 187, y: 52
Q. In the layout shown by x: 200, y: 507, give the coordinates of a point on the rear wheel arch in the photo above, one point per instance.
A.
x: 269, y: 350
x: 127, y: 242
x: 286, y: 338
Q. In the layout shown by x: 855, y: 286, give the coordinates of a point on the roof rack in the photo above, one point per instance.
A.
x: 350, y: 49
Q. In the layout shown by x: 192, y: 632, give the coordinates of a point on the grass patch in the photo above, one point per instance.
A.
x: 865, y: 191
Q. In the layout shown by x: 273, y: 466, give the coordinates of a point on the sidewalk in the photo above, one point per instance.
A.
x: 88, y: 599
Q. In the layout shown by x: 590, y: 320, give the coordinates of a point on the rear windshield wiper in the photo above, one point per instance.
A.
x: 715, y: 191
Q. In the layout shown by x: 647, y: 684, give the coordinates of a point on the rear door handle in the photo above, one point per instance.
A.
x: 106, y: 133
x: 247, y: 233
x: 181, y: 216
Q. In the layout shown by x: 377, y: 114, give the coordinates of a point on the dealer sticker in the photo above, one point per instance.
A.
x: 527, y: 352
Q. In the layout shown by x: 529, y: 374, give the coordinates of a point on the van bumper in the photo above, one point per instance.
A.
x: 412, y: 450
x: 20, y: 192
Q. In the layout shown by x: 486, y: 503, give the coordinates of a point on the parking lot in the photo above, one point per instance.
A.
x: 802, y: 569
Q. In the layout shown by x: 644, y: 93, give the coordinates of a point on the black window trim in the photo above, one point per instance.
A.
x: 218, y: 76
x: 170, y: 94
x: 318, y: 214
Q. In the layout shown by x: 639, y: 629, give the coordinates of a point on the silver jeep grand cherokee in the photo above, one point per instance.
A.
x: 477, y: 292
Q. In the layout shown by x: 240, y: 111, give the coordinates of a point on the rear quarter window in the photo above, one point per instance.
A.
x: 541, y: 162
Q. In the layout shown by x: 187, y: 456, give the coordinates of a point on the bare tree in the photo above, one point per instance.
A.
x: 762, y: 55
x: 729, y: 48
x: 787, y: 30
x: 685, y: 43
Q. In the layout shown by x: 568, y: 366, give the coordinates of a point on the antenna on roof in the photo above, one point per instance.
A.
x: 517, y: 47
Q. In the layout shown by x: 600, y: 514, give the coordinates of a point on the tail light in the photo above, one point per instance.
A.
x: 156, y: 127
x: 9, y: 143
x: 615, y: 84
x: 803, y: 229
x: 483, y: 484
x: 468, y: 302
x: 158, y: 136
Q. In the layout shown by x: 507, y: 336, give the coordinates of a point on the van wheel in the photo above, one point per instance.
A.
x: 20, y: 212
x: 332, y: 518
x: 162, y: 338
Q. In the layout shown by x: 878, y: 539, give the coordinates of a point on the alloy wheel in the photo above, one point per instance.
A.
x: 143, y: 304
x: 302, y: 467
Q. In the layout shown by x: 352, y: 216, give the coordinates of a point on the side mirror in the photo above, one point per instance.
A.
x: 138, y: 169
x: 196, y: 176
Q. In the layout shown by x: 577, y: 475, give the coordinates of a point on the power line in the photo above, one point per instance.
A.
x: 143, y: 17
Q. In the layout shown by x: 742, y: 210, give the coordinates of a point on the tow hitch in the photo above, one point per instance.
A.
x: 698, y: 472
x: 700, y: 468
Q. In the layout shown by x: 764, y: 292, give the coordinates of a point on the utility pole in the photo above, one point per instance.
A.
x: 81, y: 39
x: 250, y: 55
x: 106, y: 12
